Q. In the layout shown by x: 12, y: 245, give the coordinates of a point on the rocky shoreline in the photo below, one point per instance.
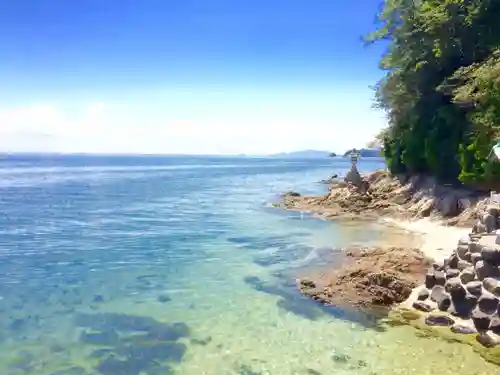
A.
x: 456, y: 298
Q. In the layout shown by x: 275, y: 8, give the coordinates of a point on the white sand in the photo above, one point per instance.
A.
x: 439, y: 240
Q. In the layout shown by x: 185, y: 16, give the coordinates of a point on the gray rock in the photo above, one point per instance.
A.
x: 455, y: 289
x: 491, y: 255
x: 467, y: 275
x: 475, y: 247
x: 444, y: 302
x: 430, y: 280
x: 462, y: 264
x: 423, y: 294
x: 438, y: 266
x: 479, y: 228
x: 462, y: 250
x: 475, y: 257
x: 463, y: 308
x: 463, y: 329
x: 487, y: 340
x: 481, y: 321
x: 492, y: 285
x: 475, y: 288
x: 439, y: 320
x: 493, y: 211
x: 464, y: 241
x: 452, y: 261
x: 452, y: 273
x: 489, y: 222
x: 440, y: 278
x: 422, y: 306
x: 484, y: 270
x: 487, y: 303
x: 467, y: 257
x: 437, y: 292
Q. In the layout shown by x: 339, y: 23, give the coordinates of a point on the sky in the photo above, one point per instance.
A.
x: 187, y: 76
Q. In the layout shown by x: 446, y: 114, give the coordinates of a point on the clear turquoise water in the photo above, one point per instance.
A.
x: 148, y: 265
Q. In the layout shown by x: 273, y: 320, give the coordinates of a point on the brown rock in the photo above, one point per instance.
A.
x: 462, y: 264
x: 492, y: 285
x: 462, y: 250
x: 439, y: 320
x: 467, y: 257
x: 438, y: 266
x: 475, y: 247
x: 475, y: 288
x: 422, y: 306
x: 440, y: 278
x: 467, y: 275
x: 430, y: 280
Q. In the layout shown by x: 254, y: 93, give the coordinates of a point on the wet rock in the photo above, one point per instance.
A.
x: 487, y: 303
x: 484, y: 270
x: 106, y: 338
x: 467, y: 275
x: 440, y: 277
x: 163, y: 298
x: 439, y: 320
x: 491, y: 255
x: 455, y: 289
x: 430, y: 280
x: 487, y: 340
x: 422, y: 306
x: 481, y: 321
x: 475, y: 288
x: 489, y: 222
x: 452, y: 273
x: 492, y: 285
x: 117, y: 322
x: 463, y: 329
x: 423, y: 294
x: 306, y: 283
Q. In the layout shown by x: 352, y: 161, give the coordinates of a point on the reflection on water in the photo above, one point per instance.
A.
x: 162, y: 266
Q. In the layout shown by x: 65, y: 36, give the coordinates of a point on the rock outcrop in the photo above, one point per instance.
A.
x: 466, y: 286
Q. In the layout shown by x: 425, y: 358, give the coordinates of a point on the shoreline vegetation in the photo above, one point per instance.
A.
x: 442, y: 284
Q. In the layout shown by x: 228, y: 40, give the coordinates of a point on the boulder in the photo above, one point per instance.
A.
x: 423, y: 294
x: 438, y: 266
x: 481, y: 321
x: 475, y: 288
x: 463, y: 329
x: 484, y: 270
x: 492, y: 285
x: 475, y: 247
x: 464, y: 308
x: 467, y: 257
x: 422, y: 306
x: 489, y: 222
x: 452, y: 261
x: 430, y: 280
x: 440, y: 278
x: 491, y: 255
x: 479, y: 228
x: 487, y: 340
x: 444, y: 302
x: 475, y: 257
x: 437, y: 292
x: 439, y: 320
x: 487, y: 303
x: 455, y: 289
x: 447, y: 205
x: 452, y: 273
x: 462, y: 264
x: 467, y: 275
x: 462, y: 250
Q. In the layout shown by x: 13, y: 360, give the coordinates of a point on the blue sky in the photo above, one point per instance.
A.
x: 187, y: 76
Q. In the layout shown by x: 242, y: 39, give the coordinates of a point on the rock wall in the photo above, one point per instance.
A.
x: 464, y: 290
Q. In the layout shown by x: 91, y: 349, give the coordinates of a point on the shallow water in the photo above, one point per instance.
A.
x: 147, y: 265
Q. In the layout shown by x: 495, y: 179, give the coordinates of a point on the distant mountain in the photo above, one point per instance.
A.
x: 305, y: 154
x: 366, y: 152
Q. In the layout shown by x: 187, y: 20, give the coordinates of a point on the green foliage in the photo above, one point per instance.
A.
x: 441, y: 91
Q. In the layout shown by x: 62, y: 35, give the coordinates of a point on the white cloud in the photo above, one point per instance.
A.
x: 213, y: 126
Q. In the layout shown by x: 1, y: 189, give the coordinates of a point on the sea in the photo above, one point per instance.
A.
x: 149, y: 265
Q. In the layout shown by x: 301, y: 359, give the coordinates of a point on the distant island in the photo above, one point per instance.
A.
x: 366, y: 152
x: 305, y: 154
